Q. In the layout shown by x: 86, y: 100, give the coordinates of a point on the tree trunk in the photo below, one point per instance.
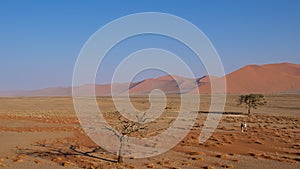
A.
x: 120, y: 157
x: 249, y: 111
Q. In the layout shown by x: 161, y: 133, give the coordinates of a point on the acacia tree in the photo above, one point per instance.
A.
x: 252, y: 101
x: 127, y: 128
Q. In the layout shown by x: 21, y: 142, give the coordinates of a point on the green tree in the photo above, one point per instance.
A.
x: 252, y: 101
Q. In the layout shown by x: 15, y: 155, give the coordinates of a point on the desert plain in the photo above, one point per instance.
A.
x: 44, y: 132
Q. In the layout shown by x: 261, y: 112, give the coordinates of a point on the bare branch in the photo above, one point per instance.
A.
x: 112, y: 130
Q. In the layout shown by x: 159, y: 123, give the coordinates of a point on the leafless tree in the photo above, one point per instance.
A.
x: 126, y: 128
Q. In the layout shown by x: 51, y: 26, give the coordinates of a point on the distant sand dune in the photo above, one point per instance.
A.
x: 269, y: 78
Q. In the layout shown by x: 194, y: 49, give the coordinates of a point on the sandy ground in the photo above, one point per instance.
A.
x: 43, y: 132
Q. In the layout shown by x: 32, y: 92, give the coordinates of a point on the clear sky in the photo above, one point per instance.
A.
x: 40, y: 40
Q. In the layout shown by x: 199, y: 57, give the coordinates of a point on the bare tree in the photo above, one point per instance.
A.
x: 127, y: 128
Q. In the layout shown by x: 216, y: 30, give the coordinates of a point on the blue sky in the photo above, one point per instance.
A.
x: 40, y: 40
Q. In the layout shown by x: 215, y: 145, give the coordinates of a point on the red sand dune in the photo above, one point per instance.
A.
x: 269, y: 78
x: 168, y: 84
